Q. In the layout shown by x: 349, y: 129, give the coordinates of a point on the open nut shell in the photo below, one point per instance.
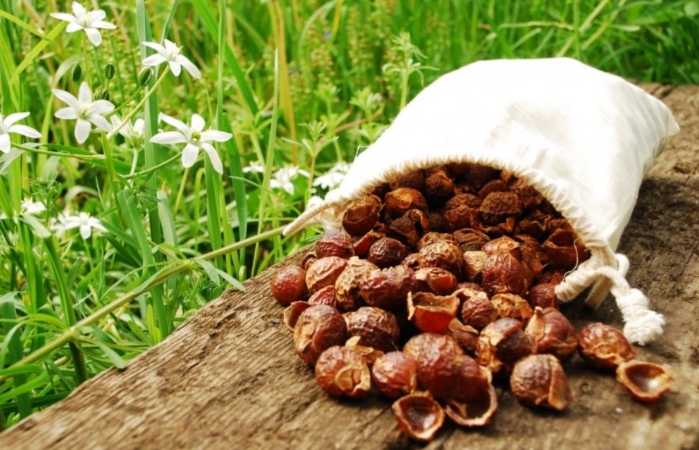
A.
x: 474, y: 413
x: 645, y: 381
x: 419, y: 416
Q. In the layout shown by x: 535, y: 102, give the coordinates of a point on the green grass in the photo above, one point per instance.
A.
x: 301, y: 84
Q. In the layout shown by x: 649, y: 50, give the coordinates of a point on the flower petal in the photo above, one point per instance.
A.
x: 215, y: 135
x: 96, y: 224
x: 25, y: 131
x: 85, y: 231
x: 153, y: 60
x: 102, y: 106
x: 104, y: 25
x: 100, y: 122
x: 66, y: 114
x: 64, y: 16
x: 171, y: 47
x: 82, y: 130
x: 175, y: 68
x: 73, y: 27
x: 5, y: 143
x: 188, y: 65
x: 197, y: 122
x: 155, y: 46
x: 97, y: 15
x: 79, y: 10
x: 66, y: 97
x: 175, y: 123
x: 189, y: 155
x: 94, y: 36
x: 213, y: 156
x: 14, y: 117
x: 169, y: 137
x: 84, y: 93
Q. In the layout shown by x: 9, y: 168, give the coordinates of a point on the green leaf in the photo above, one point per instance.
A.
x: 39, y: 230
x: 113, y: 356
x: 210, y: 270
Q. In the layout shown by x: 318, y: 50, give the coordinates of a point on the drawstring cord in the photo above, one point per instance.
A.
x: 642, y: 324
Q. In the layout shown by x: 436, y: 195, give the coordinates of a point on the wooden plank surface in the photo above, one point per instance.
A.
x: 228, y: 378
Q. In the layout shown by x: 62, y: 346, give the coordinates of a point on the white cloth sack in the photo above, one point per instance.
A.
x: 582, y: 137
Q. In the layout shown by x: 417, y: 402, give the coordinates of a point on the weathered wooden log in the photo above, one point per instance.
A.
x: 229, y: 378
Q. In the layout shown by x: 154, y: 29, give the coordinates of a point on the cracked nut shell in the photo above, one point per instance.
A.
x: 394, y: 374
x: 318, y: 328
x: 603, y: 346
x: 539, y: 380
x: 343, y: 372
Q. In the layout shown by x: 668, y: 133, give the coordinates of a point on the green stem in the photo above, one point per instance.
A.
x: 153, y: 168
x: 59, y: 154
x: 131, y: 113
x: 109, y: 163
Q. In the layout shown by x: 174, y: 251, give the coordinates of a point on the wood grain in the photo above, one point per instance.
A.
x: 228, y: 377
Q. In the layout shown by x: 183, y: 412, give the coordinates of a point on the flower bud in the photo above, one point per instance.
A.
x: 77, y: 73
x: 109, y: 71
x: 145, y: 76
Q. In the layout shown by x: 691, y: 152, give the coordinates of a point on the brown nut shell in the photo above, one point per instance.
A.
x: 504, y: 274
x: 435, y: 280
x: 419, y: 416
x: 564, y: 249
x: 430, y: 312
x: 553, y: 333
x: 375, y: 327
x: 387, y: 252
x: 387, y: 288
x: 477, y: 411
x: 542, y: 296
x: 502, y: 343
x: 288, y: 285
x: 318, y: 328
x: 512, y: 305
x: 324, y: 272
x: 324, y: 296
x: 348, y: 283
x: 646, y: 382
x: 539, y: 380
x: 401, y: 200
x: 443, y: 254
x: 437, y: 362
x: 293, y: 312
x: 497, y: 206
x: 476, y: 308
x: 335, y: 243
x: 343, y: 372
x: 394, y: 374
x: 603, y: 346
x: 361, y: 215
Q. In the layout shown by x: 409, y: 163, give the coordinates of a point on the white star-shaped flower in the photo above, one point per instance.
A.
x: 31, y: 207
x: 196, y: 139
x: 284, y: 177
x: 84, y: 221
x: 170, y: 53
x: 90, y: 21
x: 84, y: 110
x: 333, y: 177
x: 254, y: 167
x: 8, y: 125
x: 132, y: 132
